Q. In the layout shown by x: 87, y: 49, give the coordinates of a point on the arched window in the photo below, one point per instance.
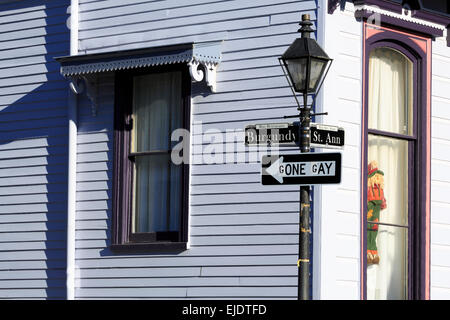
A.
x: 396, y: 165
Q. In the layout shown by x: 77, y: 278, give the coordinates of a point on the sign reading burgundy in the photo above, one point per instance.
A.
x: 301, y: 169
x: 326, y: 136
x: 271, y: 134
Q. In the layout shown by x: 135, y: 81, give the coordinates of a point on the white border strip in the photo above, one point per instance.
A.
x: 72, y: 162
x: 406, y: 17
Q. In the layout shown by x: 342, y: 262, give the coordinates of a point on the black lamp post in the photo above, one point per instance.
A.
x: 307, y: 66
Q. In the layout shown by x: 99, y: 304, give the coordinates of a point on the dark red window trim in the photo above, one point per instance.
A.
x: 400, y: 41
x: 122, y: 240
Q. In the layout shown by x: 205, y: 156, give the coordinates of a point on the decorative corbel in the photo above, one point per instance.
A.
x: 211, y: 76
x: 76, y: 85
x: 196, y: 74
x: 199, y: 75
x: 89, y: 82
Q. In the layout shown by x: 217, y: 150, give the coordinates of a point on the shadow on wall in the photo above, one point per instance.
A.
x: 33, y: 149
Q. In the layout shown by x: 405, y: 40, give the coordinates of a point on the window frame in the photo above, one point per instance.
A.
x: 418, y: 243
x: 123, y: 240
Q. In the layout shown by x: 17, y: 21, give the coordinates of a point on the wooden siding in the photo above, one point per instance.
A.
x: 243, y: 237
x: 440, y: 171
x: 339, y: 205
x: 343, y: 281
x: 33, y: 149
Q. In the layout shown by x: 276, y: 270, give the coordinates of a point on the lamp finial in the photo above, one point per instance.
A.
x: 305, y: 24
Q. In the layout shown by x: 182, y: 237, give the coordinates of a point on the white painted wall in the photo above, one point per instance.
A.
x: 339, y: 275
x: 337, y: 206
x: 440, y: 171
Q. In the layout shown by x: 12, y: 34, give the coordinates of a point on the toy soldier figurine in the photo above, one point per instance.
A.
x: 375, y: 203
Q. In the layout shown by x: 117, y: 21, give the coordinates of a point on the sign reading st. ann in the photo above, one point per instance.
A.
x: 301, y: 169
x: 326, y: 136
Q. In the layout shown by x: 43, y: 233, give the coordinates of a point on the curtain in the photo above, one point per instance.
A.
x: 390, y: 109
x: 390, y: 94
x: 157, y: 111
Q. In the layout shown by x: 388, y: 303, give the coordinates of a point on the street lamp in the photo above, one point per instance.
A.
x: 305, y: 61
x: 307, y: 66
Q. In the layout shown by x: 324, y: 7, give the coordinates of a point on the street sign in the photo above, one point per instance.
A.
x: 301, y: 169
x: 325, y: 136
x: 286, y: 134
x: 271, y: 134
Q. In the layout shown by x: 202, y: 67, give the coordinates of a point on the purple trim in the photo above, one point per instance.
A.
x: 184, y: 225
x: 432, y: 17
x: 418, y: 155
x: 364, y: 147
x: 413, y: 172
x: 332, y: 5
x: 403, y: 24
x: 383, y: 4
x: 160, y: 247
x: 448, y: 36
x: 122, y: 174
x: 394, y: 135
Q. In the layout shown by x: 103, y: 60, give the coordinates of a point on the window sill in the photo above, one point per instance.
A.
x: 156, y: 247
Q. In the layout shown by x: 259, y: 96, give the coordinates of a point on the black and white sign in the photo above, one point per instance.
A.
x: 301, y: 169
x: 325, y: 136
x: 287, y: 134
x: 271, y: 134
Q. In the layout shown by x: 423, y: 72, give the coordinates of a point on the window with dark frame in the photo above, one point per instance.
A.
x: 391, y: 144
x: 413, y: 40
x: 150, y: 191
x: 395, y: 95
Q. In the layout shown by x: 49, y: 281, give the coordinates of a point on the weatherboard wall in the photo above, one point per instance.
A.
x: 440, y: 168
x: 337, y: 212
x: 33, y: 149
x: 339, y: 229
x: 243, y: 237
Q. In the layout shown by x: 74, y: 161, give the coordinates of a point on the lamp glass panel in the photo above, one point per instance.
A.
x: 317, y: 73
x: 297, y: 71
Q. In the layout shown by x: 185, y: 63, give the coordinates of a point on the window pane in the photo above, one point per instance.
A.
x: 390, y: 91
x: 387, y: 202
x: 389, y: 278
x: 387, y: 185
x: 157, y: 111
x: 157, y: 194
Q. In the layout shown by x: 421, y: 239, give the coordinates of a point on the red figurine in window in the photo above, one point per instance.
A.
x: 375, y: 203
